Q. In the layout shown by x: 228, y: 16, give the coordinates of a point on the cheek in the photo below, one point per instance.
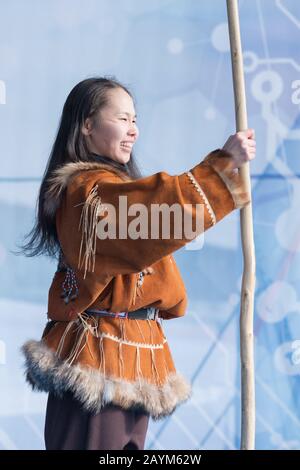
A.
x: 117, y: 135
x: 109, y: 135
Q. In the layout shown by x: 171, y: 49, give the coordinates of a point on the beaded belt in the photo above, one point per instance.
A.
x: 147, y: 313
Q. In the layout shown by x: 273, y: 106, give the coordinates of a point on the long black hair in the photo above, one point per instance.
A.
x: 84, y: 100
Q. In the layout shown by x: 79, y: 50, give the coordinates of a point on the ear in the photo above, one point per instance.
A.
x: 87, y: 127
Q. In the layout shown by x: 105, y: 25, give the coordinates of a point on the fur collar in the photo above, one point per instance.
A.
x: 61, y: 177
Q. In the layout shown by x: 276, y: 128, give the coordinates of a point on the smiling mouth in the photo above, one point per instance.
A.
x: 127, y: 147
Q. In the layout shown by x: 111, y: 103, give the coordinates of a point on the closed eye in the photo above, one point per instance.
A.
x: 125, y: 119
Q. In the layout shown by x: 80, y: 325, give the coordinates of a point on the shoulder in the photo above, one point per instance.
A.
x: 82, y: 175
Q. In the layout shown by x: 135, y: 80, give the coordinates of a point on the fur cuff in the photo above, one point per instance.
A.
x: 219, y: 161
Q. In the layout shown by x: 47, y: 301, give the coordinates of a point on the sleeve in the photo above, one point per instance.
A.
x: 114, y: 205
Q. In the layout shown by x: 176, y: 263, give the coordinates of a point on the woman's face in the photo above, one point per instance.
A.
x: 114, y: 130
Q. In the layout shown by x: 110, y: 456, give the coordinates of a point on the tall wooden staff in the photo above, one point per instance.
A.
x: 248, y: 282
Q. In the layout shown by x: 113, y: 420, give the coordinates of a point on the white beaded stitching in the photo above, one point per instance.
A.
x: 132, y: 343
x: 201, y: 192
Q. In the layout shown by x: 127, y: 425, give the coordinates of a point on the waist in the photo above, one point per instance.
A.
x: 145, y: 313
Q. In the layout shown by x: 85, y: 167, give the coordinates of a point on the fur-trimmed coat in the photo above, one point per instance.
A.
x: 119, y: 360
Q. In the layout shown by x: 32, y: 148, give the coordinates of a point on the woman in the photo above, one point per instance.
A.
x: 103, y: 357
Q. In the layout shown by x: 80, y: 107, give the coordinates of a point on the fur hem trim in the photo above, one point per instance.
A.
x: 61, y: 177
x: 46, y: 372
x: 219, y: 161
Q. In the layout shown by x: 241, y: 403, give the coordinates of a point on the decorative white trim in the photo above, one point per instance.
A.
x: 132, y: 343
x: 202, y: 194
x: 83, y: 320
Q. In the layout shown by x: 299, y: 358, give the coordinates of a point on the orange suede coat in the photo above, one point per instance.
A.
x: 120, y: 360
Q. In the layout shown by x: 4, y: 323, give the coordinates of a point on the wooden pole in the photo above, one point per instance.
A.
x: 246, y: 222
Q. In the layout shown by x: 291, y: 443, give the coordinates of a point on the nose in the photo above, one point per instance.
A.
x: 133, y: 130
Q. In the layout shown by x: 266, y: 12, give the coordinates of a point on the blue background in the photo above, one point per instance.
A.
x: 174, y: 55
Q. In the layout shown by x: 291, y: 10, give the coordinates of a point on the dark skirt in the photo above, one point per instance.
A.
x: 69, y: 427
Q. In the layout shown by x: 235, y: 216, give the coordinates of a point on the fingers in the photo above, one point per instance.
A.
x: 248, y: 134
x: 248, y: 143
x: 242, y: 147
